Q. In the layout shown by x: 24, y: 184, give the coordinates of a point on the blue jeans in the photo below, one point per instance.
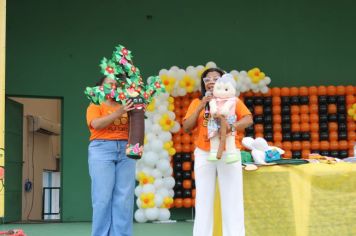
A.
x: 112, y: 188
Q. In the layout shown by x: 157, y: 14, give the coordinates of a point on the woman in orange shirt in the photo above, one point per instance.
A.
x: 112, y: 172
x: 229, y: 175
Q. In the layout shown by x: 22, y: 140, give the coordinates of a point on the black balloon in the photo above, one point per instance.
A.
x: 268, y: 136
x: 267, y: 110
x: 296, y: 136
x: 334, y: 153
x: 342, y: 127
x: 267, y: 102
x: 323, y: 126
x: 343, y: 154
x: 324, y: 153
x: 178, y: 193
x: 178, y: 185
x: 177, y: 157
x: 341, y: 118
x: 258, y: 101
x: 268, y: 127
x: 331, y: 99
x: 249, y: 129
x: 177, y: 166
x: 286, y: 119
x: 187, y: 157
x: 324, y: 136
x: 286, y: 110
x: 248, y: 101
x: 294, y: 100
x: 286, y: 127
x: 315, y: 151
x: 287, y: 136
x: 323, y: 109
x: 341, y: 100
x: 342, y: 135
x: 187, y: 174
x: 341, y: 109
x: 332, y: 118
x: 250, y: 108
x: 322, y: 100
x: 305, y: 136
x: 304, y: 100
x: 323, y: 118
x: 178, y: 175
x: 296, y: 154
x: 285, y: 100
x: 268, y: 119
x: 258, y: 119
x: 187, y: 193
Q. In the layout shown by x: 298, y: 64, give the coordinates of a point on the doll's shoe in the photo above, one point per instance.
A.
x: 212, y: 156
x: 232, y: 158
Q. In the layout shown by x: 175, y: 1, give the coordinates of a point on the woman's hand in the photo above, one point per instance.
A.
x: 204, y: 101
x: 125, y: 108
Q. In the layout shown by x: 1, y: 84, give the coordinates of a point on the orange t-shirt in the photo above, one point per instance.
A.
x: 200, y: 132
x: 118, y: 130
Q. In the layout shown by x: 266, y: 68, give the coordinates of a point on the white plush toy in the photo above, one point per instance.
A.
x: 258, y: 148
x: 222, y: 106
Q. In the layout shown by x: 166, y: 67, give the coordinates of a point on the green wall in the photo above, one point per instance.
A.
x: 54, y: 47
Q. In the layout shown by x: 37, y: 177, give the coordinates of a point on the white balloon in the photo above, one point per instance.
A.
x: 181, y: 92
x: 147, y: 170
x: 211, y: 64
x: 189, y: 68
x: 168, y: 172
x: 138, y: 202
x: 163, y: 154
x: 268, y: 80
x: 157, y: 145
x: 165, y: 136
x: 157, y: 174
x: 175, y: 128
x: 140, y: 216
x: 158, y: 200
x: 138, y: 190
x: 150, y: 158
x: 171, y: 193
x: 264, y: 90
x: 159, y: 183
x: 171, y: 115
x: 169, y: 182
x: 163, y: 72
x: 200, y: 67
x: 163, y: 165
x: 152, y: 213
x: 174, y: 68
x: 163, y: 192
x: 148, y: 188
x: 164, y: 214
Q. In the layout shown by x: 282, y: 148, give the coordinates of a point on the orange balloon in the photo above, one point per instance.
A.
x: 351, y: 144
x: 276, y: 110
x: 314, y: 127
x: 322, y: 90
x: 313, y: 109
x: 304, y: 109
x: 351, y: 152
x: 186, y: 147
x: 315, y: 145
x: 303, y: 91
x: 313, y: 90
x: 304, y: 127
x: 350, y: 99
x: 296, y: 145
x: 187, y: 184
x: 277, y: 137
x: 324, y: 145
x: 193, y: 177
x: 305, y: 154
x: 178, y: 203
x: 293, y: 91
x: 259, y: 135
x: 177, y: 103
x: 177, y: 138
x: 285, y: 91
x: 259, y: 128
x: 287, y: 145
x: 331, y: 90
x: 334, y: 145
x: 294, y: 110
x: 178, y: 147
x: 313, y: 99
x: 276, y: 91
x: 314, y: 118
x: 276, y: 101
x: 187, y: 202
x: 185, y: 102
x: 295, y: 127
x: 304, y: 118
x: 186, y: 139
x: 351, y: 126
x: 258, y: 110
x: 340, y: 90
x: 277, y: 127
x: 351, y: 135
x: 287, y: 154
x: 295, y: 118
x: 193, y: 193
x: 187, y: 165
x: 332, y: 109
x: 306, y: 145
x: 277, y: 144
x: 333, y: 126
x: 192, y: 147
x: 343, y: 145
x: 349, y: 90
x: 277, y: 119
x: 333, y: 136
x: 269, y: 93
x: 314, y: 136
x: 193, y: 202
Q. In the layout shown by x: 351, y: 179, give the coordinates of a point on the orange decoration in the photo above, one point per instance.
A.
x: 193, y: 174
x: 314, y: 118
x: 276, y: 109
x: 314, y: 136
x: 343, y: 145
x: 350, y: 99
x: 351, y: 135
x: 333, y: 126
x: 187, y: 184
x: 278, y: 144
x: 287, y: 154
x: 259, y: 128
x: 193, y: 193
x: 177, y: 138
x: 193, y: 202
x: 351, y: 144
x: 313, y: 90
x: 324, y: 145
x: 332, y: 108
x: 340, y: 90
x: 334, y: 145
x: 285, y: 91
x: 276, y: 91
x: 295, y: 127
x: 192, y: 147
x: 178, y: 147
x: 287, y: 145
x: 313, y: 99
x: 185, y: 103
x: 293, y: 91
x: 277, y: 137
x: 304, y: 118
x: 351, y: 152
x: 295, y: 118
x: 187, y: 165
x: 314, y: 127
x: 313, y: 109
x: 276, y: 101
x: 305, y: 154
x: 351, y: 126
x: 306, y: 145
x: 304, y: 109
x: 268, y: 94
x: 296, y: 145
x: 178, y: 203
x: 277, y: 127
x: 303, y: 91
x: 304, y: 127
x: 322, y: 90
x: 333, y: 136
x: 277, y: 119
x: 259, y: 135
x: 186, y: 147
x: 350, y: 90
x: 294, y: 110
x: 186, y: 138
x: 258, y: 110
x: 331, y: 90
x: 315, y: 145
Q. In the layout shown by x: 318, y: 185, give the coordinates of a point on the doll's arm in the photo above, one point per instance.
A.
x: 213, y: 107
x: 227, y: 107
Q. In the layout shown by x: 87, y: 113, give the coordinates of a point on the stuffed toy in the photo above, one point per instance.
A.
x: 261, y: 152
x: 13, y: 232
x: 220, y: 126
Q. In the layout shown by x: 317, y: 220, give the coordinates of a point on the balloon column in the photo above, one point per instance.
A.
x: 129, y: 87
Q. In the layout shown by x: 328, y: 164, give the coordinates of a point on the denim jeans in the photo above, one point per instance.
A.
x: 112, y: 188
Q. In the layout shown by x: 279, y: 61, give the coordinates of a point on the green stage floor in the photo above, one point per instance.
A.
x: 83, y: 229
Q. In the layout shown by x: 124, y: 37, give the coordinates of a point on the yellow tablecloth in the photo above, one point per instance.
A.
x: 304, y: 200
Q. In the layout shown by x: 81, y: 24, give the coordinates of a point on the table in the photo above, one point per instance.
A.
x: 305, y: 200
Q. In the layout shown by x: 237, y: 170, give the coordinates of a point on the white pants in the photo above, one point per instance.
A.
x: 231, y: 195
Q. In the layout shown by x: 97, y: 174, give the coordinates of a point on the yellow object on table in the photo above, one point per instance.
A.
x: 303, y: 200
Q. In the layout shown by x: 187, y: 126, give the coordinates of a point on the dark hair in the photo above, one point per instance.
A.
x: 204, y: 74
x: 102, y: 79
